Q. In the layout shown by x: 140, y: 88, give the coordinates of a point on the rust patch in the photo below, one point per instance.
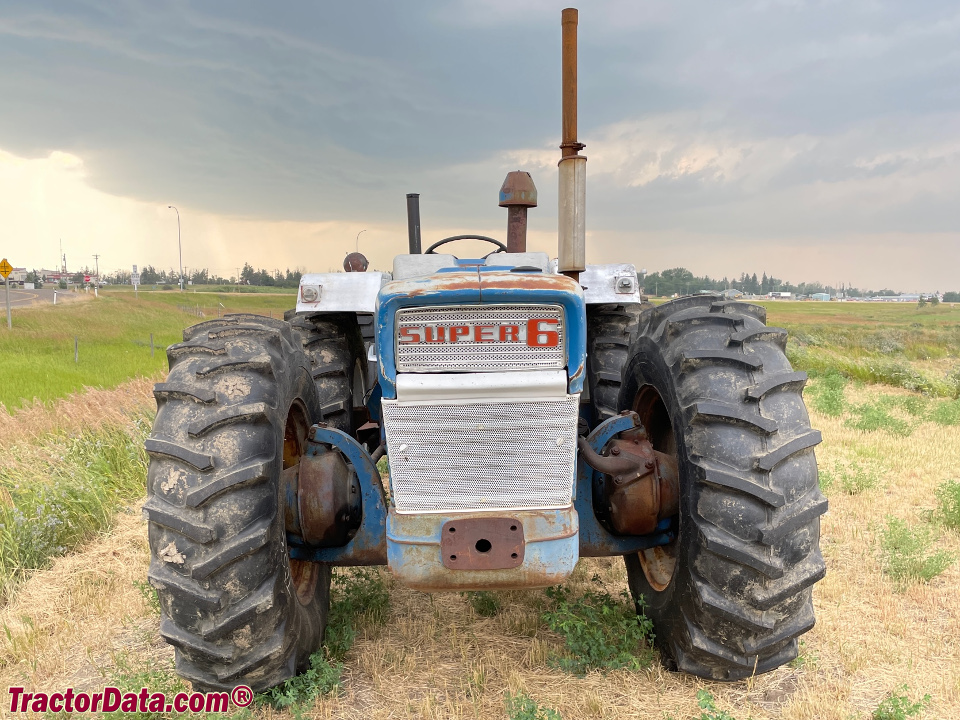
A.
x: 482, y: 543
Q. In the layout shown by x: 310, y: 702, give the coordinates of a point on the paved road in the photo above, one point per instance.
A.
x: 25, y: 298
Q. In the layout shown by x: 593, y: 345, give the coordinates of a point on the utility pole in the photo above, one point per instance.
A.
x: 96, y: 259
x: 179, y: 244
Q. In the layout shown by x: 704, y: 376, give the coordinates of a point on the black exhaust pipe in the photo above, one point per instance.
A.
x: 413, y: 222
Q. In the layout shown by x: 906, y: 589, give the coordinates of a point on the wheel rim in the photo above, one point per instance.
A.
x: 659, y: 563
x: 303, y: 575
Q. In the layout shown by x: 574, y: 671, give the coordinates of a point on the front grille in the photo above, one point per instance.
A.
x: 472, y: 352
x: 481, y: 455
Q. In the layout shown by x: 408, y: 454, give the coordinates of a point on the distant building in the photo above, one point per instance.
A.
x: 781, y: 295
x: 822, y: 297
x: 732, y: 294
x: 18, y: 275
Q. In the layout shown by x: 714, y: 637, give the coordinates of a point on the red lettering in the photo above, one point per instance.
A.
x: 144, y: 696
x: 56, y: 702
x: 180, y: 702
x: 551, y: 338
x: 39, y: 703
x: 111, y: 699
x: 196, y: 702
x: 509, y: 333
x: 68, y: 696
x: 156, y: 703
x: 81, y: 703
x: 217, y: 702
x: 410, y: 334
x: 95, y: 705
x: 129, y: 703
x: 458, y: 331
x: 436, y: 333
x: 16, y: 692
x: 26, y: 699
x: 484, y: 333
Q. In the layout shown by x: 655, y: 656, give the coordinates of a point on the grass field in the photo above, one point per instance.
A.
x: 113, y: 336
x: 888, y: 612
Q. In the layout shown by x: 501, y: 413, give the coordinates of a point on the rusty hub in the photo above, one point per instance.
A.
x: 321, y: 498
x: 643, y: 487
x: 303, y: 574
x: 659, y: 563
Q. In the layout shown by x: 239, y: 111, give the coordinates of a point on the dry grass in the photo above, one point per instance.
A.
x: 91, y: 408
x: 437, y: 658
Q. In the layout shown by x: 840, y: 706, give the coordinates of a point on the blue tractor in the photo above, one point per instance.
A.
x: 533, y: 411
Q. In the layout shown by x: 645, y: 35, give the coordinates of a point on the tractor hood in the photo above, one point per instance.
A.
x: 499, y: 280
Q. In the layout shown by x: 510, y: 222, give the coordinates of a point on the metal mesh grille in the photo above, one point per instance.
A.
x: 481, y: 456
x: 467, y: 355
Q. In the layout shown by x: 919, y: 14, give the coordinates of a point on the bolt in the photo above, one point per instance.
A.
x: 615, y: 451
x: 649, y: 464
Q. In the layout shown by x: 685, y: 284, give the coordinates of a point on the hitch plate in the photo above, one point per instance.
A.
x: 482, y: 544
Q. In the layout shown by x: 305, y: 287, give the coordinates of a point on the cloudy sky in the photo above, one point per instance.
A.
x: 809, y: 140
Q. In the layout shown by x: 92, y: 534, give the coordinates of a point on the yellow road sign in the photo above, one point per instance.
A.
x: 5, y: 268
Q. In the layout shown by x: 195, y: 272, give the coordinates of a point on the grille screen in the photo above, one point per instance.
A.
x: 481, y: 456
x: 480, y: 338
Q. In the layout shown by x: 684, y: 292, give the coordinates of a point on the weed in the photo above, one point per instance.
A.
x: 706, y: 703
x: 898, y: 706
x: 872, y: 417
x: 806, y: 658
x: 953, y: 381
x: 483, y: 603
x: 68, y: 497
x: 948, y: 504
x: 827, y: 394
x: 946, y: 413
x: 905, y: 554
x: 522, y: 707
x: 298, y: 692
x: 383, y: 465
x: 851, y: 479
x: 600, y: 632
x: 359, y: 595
x: 149, y: 594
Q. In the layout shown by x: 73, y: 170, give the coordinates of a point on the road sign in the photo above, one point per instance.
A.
x: 86, y: 278
x: 135, y: 270
x: 135, y: 279
x: 5, y: 270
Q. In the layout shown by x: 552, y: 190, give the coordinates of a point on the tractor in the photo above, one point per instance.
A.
x: 533, y: 412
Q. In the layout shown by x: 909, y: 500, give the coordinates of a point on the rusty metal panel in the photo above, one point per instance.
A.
x: 550, y: 552
x: 487, y: 543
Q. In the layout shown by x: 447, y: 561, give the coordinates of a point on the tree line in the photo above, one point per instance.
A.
x: 681, y: 281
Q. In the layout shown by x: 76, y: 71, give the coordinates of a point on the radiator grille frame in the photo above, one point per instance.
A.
x: 482, y: 456
x: 470, y: 356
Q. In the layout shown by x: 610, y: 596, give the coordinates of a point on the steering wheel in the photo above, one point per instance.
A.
x: 500, y: 246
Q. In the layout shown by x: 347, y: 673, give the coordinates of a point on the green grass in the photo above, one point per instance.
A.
x: 707, y: 704
x: 850, y: 479
x: 37, y: 356
x: 874, y: 342
x: 523, y: 707
x: 826, y: 395
x: 66, y: 499
x: 600, y: 632
x: 359, y: 598
x: 906, y: 554
x: 898, y: 706
x: 948, y: 504
x: 486, y: 604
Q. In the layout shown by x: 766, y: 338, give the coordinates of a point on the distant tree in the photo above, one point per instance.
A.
x: 951, y: 297
x: 934, y: 300
x: 922, y: 302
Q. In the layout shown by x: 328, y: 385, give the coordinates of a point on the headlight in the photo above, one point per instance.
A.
x: 309, y: 293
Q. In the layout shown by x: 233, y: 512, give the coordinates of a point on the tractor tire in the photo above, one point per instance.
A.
x: 334, y: 345
x: 730, y: 596
x: 611, y: 331
x: 234, y: 411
